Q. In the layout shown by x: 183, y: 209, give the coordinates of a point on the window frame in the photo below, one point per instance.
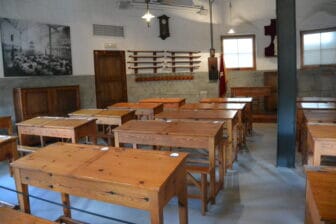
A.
x: 253, y: 36
x: 302, y: 33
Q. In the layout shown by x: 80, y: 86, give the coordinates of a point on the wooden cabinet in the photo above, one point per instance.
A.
x: 47, y: 101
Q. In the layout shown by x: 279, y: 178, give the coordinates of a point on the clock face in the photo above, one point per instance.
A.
x: 163, y: 21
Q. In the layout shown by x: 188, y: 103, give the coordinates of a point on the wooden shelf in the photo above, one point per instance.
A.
x: 143, y: 54
x: 194, y: 62
x: 145, y: 62
x: 146, y: 56
x: 144, y: 67
x: 189, y: 62
x: 186, y: 56
x: 183, y: 66
x: 149, y: 60
x: 131, y: 51
x: 184, y: 52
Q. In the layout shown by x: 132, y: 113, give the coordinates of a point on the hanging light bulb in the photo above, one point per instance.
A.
x: 148, y: 16
x: 231, y: 30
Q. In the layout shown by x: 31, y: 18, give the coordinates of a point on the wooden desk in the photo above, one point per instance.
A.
x: 142, y: 110
x: 6, y: 123
x: 256, y: 92
x: 320, y: 196
x: 229, y: 117
x: 195, y: 135
x: 58, y: 127
x: 223, y: 106
x: 312, y: 107
x: 11, y: 216
x: 247, y: 115
x: 321, y: 142
x: 168, y: 103
x: 313, y: 117
x: 8, y: 150
x: 108, y: 118
x: 118, y: 175
x: 316, y: 99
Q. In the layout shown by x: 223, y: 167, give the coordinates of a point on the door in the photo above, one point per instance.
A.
x: 110, y: 77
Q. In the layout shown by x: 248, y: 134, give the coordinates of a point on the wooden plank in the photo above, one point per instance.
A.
x: 10, y: 216
x: 321, y: 196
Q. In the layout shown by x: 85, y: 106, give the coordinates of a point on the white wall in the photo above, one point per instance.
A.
x: 189, y: 30
x: 250, y: 17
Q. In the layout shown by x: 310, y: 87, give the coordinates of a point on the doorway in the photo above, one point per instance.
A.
x: 110, y: 77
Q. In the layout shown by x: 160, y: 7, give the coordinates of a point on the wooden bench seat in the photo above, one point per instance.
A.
x: 10, y: 216
x: 201, y: 184
x: 27, y: 149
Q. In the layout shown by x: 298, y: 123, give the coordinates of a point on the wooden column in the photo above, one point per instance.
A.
x: 287, y: 68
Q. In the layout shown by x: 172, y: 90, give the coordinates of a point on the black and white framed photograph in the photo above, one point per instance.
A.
x: 34, y: 49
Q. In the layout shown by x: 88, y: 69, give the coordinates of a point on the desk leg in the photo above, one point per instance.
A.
x: 241, y: 129
x: 14, y: 155
x: 249, y: 119
x: 212, y: 164
x: 183, y: 202
x: 156, y: 211
x: 221, y: 159
x: 74, y: 139
x: 116, y: 140
x: 66, y: 203
x: 22, y: 198
x: 229, y: 156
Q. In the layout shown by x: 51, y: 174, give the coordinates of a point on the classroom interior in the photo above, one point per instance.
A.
x: 167, y: 111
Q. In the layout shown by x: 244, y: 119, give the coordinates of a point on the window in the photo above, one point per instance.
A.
x: 239, y: 51
x: 318, y: 47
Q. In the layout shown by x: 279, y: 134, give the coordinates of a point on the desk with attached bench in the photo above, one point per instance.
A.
x: 114, y: 175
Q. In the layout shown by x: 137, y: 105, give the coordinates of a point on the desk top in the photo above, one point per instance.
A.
x: 322, y: 132
x: 10, y: 216
x: 316, y: 106
x: 162, y: 100
x: 213, y: 106
x: 126, y: 167
x: 177, y: 128
x: 316, y: 99
x: 55, y: 122
x: 6, y: 138
x: 322, y: 183
x: 136, y: 105
x: 320, y: 116
x: 199, y: 114
x: 227, y: 100
x: 100, y: 113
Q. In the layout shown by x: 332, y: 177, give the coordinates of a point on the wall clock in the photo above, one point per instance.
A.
x: 164, y: 26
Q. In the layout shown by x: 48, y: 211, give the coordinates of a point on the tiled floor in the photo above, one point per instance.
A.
x: 256, y: 192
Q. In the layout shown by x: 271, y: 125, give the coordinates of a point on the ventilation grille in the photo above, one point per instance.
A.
x: 108, y: 30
